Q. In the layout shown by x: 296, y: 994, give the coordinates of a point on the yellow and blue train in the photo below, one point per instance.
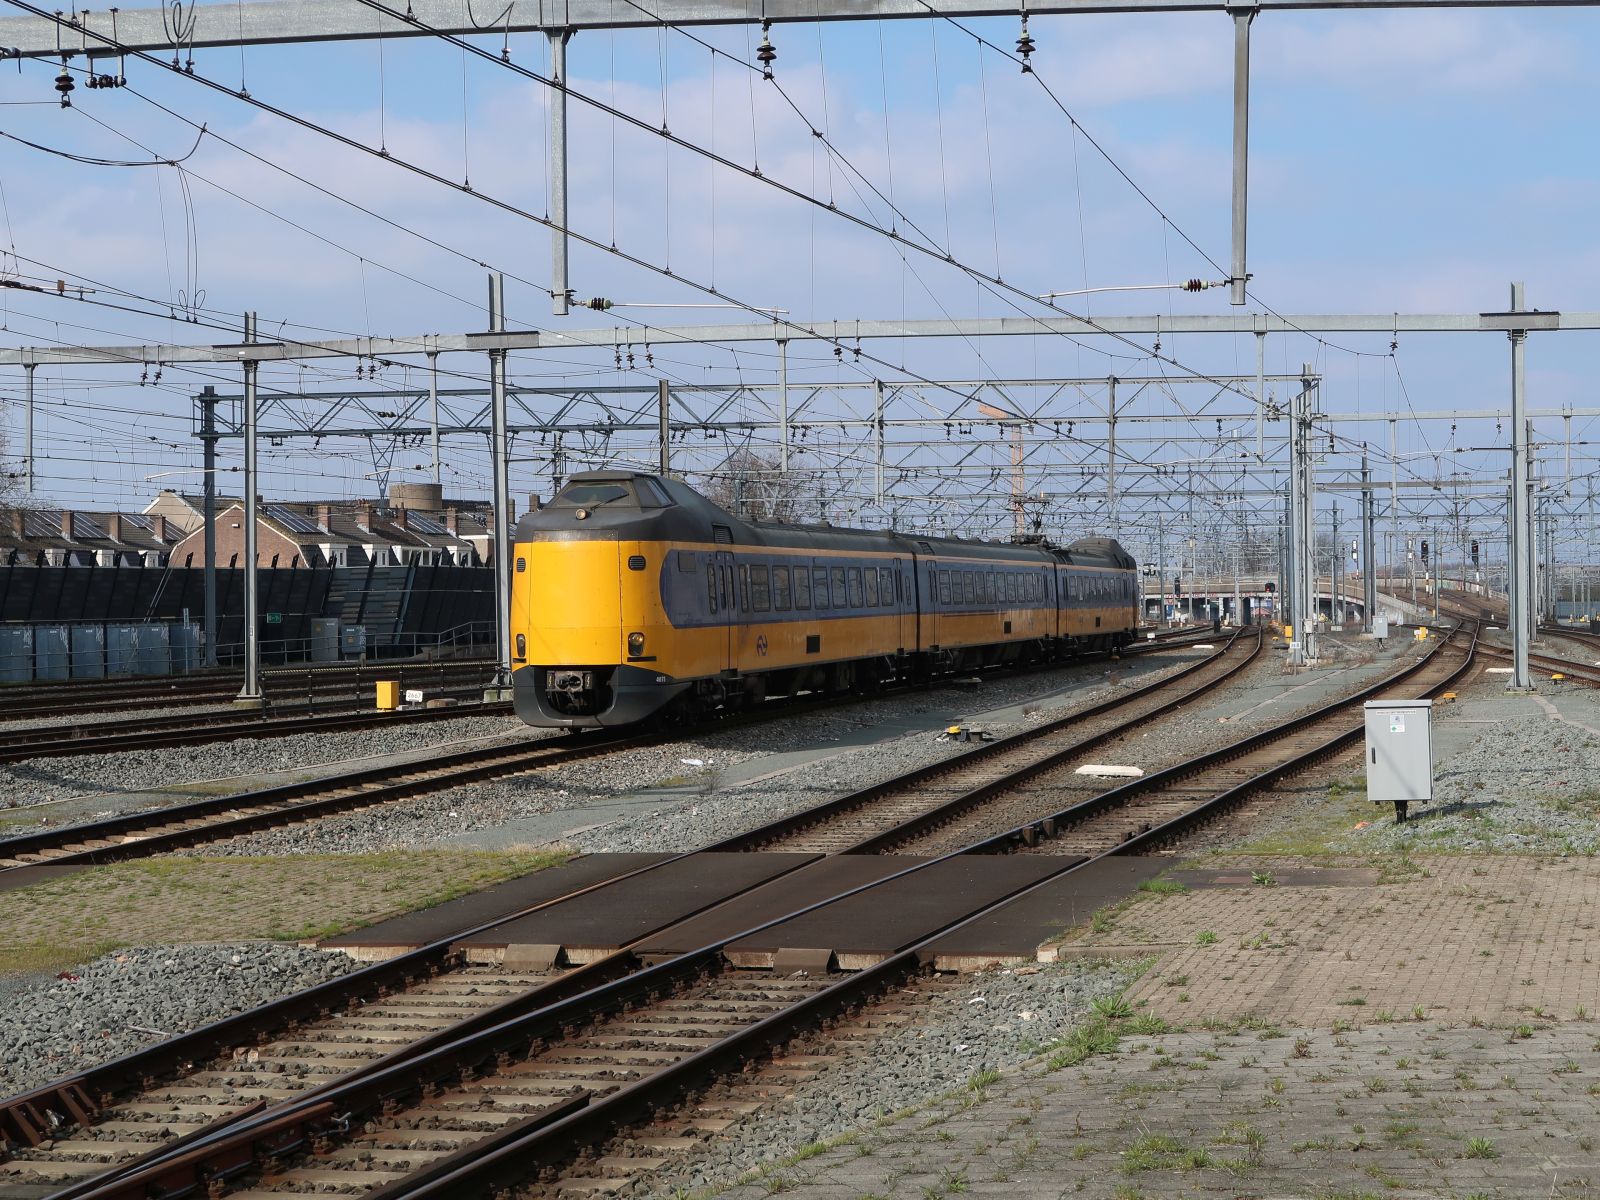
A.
x: 633, y: 595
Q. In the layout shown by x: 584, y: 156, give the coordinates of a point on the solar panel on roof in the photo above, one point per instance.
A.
x: 87, y: 527
x: 43, y: 523
x: 421, y: 524
x: 295, y: 522
x: 139, y: 521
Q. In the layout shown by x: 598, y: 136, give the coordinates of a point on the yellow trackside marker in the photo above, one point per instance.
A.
x: 1558, y: 677
x: 1448, y: 698
x: 388, y: 693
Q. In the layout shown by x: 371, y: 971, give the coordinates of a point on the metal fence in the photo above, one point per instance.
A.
x: 92, y: 622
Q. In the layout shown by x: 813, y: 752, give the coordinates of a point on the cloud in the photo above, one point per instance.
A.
x: 1395, y: 54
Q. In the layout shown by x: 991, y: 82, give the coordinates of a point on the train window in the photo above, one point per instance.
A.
x: 836, y: 576
x: 872, y: 587
x: 996, y: 589
x: 760, y: 590
x: 686, y: 562
x: 857, y: 599
x: 819, y: 589
x: 899, y: 586
x: 1011, y: 589
x: 651, y: 493
x: 886, y: 582
x: 969, y: 587
x: 743, y: 603
x: 802, y: 588
x: 711, y: 588
x: 780, y: 589
x: 944, y: 587
x: 591, y: 495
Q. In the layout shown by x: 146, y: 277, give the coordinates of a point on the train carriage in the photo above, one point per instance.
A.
x: 633, y: 595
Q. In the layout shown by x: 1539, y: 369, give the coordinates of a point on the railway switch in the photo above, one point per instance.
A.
x: 1399, y: 753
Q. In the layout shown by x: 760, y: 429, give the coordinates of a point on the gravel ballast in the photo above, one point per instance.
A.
x: 701, y: 806
x: 682, y: 796
x: 133, y: 998
x: 999, y: 1019
x: 1524, y: 785
x: 47, y: 780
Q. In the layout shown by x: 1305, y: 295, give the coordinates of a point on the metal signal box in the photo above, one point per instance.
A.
x: 1399, y: 751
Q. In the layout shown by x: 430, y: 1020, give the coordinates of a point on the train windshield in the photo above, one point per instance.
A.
x: 639, y: 492
x: 592, y: 495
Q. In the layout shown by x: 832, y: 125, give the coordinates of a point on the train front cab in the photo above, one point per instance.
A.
x: 591, y: 642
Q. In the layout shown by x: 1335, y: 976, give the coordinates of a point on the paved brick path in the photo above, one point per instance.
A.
x: 1302, y: 1071
x: 1491, y: 938
x: 1389, y: 1110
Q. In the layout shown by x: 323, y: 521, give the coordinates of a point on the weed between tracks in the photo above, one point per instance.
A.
x: 63, y: 921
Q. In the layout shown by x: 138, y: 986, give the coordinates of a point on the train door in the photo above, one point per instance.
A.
x: 904, y: 607
x: 928, y: 604
x: 727, y: 605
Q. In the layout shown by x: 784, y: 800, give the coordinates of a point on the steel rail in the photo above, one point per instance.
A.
x: 783, y: 827
x: 1031, y: 832
x: 540, y: 1149
x: 1584, y: 673
x: 192, y: 690
x: 20, y: 745
x: 130, y: 835
x: 127, y: 836
x: 28, y: 1116
x: 409, y: 1074
x: 541, y: 1139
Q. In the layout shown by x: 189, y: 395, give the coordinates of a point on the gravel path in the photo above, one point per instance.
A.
x: 999, y: 1019
x: 706, y: 808
x: 134, y: 998
x: 47, y: 780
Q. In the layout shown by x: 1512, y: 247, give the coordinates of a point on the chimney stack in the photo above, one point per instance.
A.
x: 325, y: 517
x: 452, y: 521
x: 19, y: 522
x: 68, y: 523
x: 114, y: 527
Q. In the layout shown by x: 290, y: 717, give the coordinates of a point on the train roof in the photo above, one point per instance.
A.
x: 624, y: 504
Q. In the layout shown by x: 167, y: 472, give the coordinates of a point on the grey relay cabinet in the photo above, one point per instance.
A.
x: 1399, y: 751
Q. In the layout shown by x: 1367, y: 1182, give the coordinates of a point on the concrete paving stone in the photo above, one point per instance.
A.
x: 1493, y: 938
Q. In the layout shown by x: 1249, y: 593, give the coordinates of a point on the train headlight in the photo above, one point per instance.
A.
x: 522, y: 646
x: 636, y: 644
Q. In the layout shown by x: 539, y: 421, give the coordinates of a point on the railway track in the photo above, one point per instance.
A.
x: 543, y: 1091
x: 843, y: 825
x: 287, y: 688
x: 159, y: 831
x: 154, y: 733
x: 1159, y: 809
x: 1585, y: 673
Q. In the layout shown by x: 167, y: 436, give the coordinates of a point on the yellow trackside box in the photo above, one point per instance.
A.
x: 388, y: 693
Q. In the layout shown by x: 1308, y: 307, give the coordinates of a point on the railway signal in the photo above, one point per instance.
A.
x: 1424, y: 551
x: 1474, y: 553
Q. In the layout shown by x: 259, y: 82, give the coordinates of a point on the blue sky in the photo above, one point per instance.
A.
x: 1400, y: 161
